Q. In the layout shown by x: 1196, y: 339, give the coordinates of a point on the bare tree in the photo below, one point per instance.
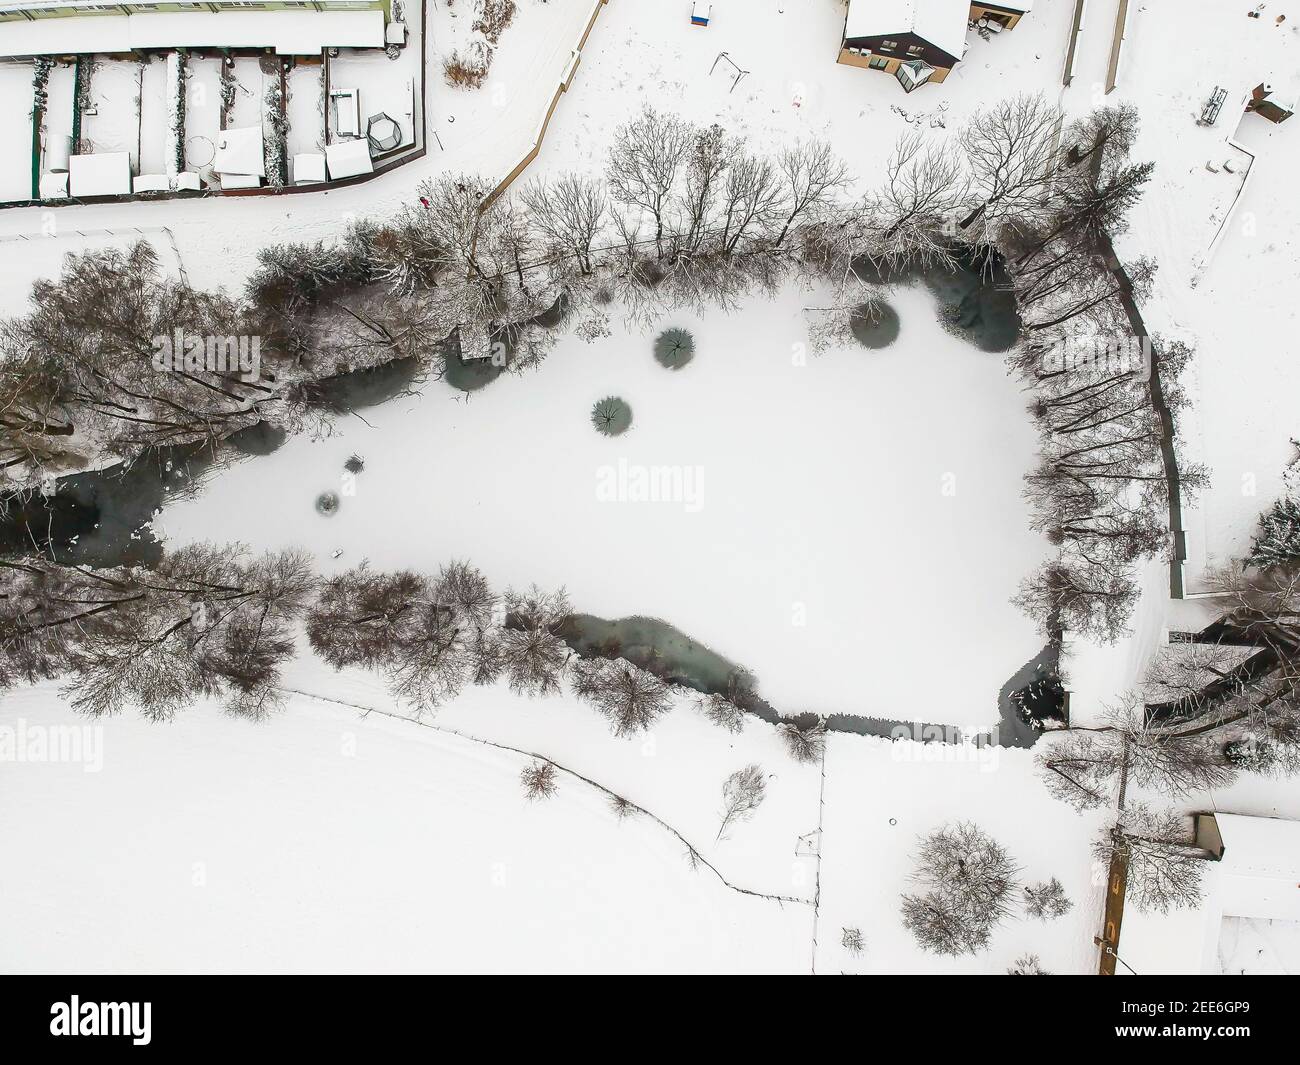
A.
x: 1164, y: 867
x: 1087, y: 600
x: 966, y: 880
x: 126, y: 358
x: 721, y: 711
x: 533, y: 654
x: 742, y: 794
x: 1046, y: 900
x: 811, y: 176
x: 806, y: 745
x: 1010, y: 149
x: 1090, y: 768
x: 646, y: 163
x: 207, y: 621
x: 540, y: 780
x: 428, y: 637
x: 570, y: 214
x: 628, y: 696
x: 1027, y: 965
x: 851, y: 939
x: 911, y: 212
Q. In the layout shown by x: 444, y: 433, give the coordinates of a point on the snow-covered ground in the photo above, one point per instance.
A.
x: 882, y: 797
x: 306, y: 109
x: 331, y: 839
x: 155, y: 103
x: 821, y: 501
x: 830, y: 511
x: 327, y: 842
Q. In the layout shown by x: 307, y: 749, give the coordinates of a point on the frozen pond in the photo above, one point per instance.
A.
x: 849, y: 527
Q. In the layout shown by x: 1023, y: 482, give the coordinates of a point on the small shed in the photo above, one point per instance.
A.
x: 701, y: 12
x: 240, y: 151
x: 348, y: 159
x: 308, y: 168
x: 100, y: 174
x: 241, y: 181
x: 153, y: 183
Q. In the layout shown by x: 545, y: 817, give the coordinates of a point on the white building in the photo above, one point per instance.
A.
x: 1249, y: 916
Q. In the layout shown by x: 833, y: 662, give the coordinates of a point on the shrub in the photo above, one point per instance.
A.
x: 674, y: 348
x: 611, y: 416
x: 804, y: 744
x: 539, y: 780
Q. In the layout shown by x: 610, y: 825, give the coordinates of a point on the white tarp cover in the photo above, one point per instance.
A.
x: 54, y: 186
x: 153, y: 183
x: 239, y: 151
x: 298, y: 32
x: 349, y: 158
x: 100, y: 174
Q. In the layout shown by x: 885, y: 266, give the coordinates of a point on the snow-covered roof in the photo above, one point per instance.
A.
x: 941, y: 22
x: 153, y: 183
x: 1257, y: 876
x: 100, y: 174
x: 349, y: 158
x: 1261, y: 847
x: 289, y: 32
x: 54, y: 186
x: 239, y: 151
x: 308, y: 166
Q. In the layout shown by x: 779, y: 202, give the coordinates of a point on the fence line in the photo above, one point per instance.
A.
x: 693, y: 853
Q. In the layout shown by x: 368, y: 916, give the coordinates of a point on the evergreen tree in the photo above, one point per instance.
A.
x: 1278, y: 541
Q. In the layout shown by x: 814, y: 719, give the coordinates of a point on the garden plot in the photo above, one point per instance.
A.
x: 849, y: 527
x: 111, y: 122
x: 368, y: 845
x: 155, y: 111
x: 386, y: 86
x: 202, y: 111
x: 61, y: 91
x: 249, y: 101
x: 16, y: 131
x: 306, y: 109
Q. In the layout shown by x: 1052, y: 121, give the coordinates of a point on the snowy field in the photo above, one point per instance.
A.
x: 371, y: 843
x: 16, y: 131
x: 830, y: 511
x: 324, y: 842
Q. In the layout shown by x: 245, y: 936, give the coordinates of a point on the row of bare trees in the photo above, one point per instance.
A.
x: 1099, y: 490
x: 217, y: 622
